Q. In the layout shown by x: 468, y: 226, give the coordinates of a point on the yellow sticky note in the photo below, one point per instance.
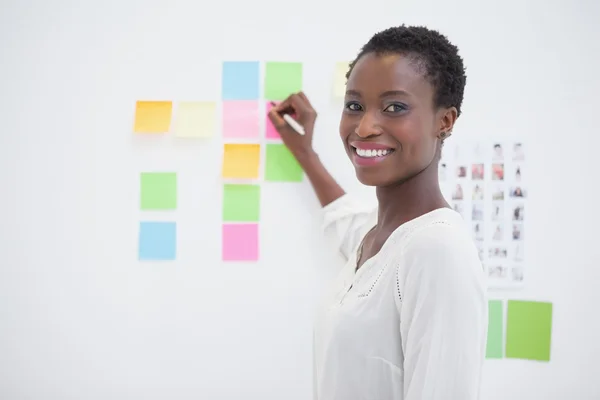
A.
x: 241, y: 161
x: 195, y: 119
x: 153, y: 116
x: 339, y: 79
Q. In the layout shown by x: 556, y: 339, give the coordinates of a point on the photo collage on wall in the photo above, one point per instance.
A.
x: 486, y: 183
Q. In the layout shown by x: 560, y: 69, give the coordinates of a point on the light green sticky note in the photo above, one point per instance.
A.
x: 158, y: 190
x: 241, y: 203
x: 282, y: 79
x: 495, y: 331
x: 281, y: 165
x: 528, y: 330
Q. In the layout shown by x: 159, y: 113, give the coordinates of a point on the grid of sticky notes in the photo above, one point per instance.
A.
x: 184, y: 119
x: 248, y: 88
x: 157, y: 239
x: 525, y: 333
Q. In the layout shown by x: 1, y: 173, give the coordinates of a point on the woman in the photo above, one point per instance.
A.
x: 407, y: 317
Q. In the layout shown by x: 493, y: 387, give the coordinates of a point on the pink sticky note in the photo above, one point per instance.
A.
x: 240, y: 242
x: 271, y: 131
x: 241, y: 119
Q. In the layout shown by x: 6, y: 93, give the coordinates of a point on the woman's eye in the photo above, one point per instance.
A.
x: 395, y: 108
x: 353, y: 106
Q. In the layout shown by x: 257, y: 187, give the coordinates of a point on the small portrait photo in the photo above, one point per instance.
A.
x: 517, y: 191
x: 478, y: 152
x: 461, y: 171
x: 477, y: 212
x: 517, y: 173
x: 518, y: 154
x: 498, y: 193
x: 478, y: 192
x: 477, y: 172
x: 498, y: 232
x: 497, y: 252
x: 498, y: 172
x: 517, y: 231
x: 518, y: 252
x: 497, y: 272
x: 442, y: 171
x: 498, y: 152
x: 480, y: 251
x: 497, y: 211
x: 478, y: 230
x: 457, y: 193
x: 518, y: 212
x: 459, y: 208
x: 516, y: 274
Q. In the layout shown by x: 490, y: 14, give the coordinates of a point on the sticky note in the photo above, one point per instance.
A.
x: 153, y: 116
x: 157, y: 240
x: 495, y: 329
x: 241, y: 161
x: 241, y: 203
x: 240, y: 80
x: 158, y: 190
x: 339, y: 79
x: 271, y: 132
x: 281, y: 166
x: 241, y: 119
x: 282, y: 79
x: 528, y: 330
x: 240, y: 242
x: 195, y: 119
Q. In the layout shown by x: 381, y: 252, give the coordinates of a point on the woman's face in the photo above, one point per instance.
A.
x: 389, y: 126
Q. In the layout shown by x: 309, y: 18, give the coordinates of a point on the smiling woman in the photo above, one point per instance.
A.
x: 407, y: 317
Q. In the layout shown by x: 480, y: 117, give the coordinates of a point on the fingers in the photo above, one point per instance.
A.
x: 275, y: 116
x: 296, y: 103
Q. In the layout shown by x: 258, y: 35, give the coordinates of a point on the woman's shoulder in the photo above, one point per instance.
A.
x: 441, y: 235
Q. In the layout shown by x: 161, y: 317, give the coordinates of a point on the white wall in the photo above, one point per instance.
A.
x: 82, y: 319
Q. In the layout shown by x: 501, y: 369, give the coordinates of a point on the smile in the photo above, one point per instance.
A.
x: 372, y: 153
x: 366, y: 155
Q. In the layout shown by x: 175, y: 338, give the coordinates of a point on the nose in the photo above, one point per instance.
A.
x: 368, y: 125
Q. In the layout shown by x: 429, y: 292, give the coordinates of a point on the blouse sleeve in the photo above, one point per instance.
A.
x: 346, y: 221
x: 443, y: 309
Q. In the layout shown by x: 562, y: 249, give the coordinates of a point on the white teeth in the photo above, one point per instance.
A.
x: 372, y: 153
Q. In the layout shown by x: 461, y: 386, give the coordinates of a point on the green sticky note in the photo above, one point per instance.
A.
x: 281, y: 166
x: 282, y: 79
x: 241, y: 203
x: 495, y: 331
x: 528, y: 330
x: 158, y: 190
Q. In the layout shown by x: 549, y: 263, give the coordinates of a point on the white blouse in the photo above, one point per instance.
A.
x: 411, y: 323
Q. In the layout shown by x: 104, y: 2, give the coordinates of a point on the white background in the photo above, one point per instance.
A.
x: 81, y: 318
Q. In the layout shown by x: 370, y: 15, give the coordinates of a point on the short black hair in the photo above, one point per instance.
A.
x: 442, y: 64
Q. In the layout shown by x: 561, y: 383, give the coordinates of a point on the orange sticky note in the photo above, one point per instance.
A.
x: 241, y: 161
x: 153, y: 116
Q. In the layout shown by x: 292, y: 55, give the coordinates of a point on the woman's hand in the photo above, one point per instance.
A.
x: 299, y: 108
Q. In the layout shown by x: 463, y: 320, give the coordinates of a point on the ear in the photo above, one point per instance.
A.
x: 447, y: 118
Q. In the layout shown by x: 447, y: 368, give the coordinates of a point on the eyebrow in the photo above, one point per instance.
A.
x: 384, y: 94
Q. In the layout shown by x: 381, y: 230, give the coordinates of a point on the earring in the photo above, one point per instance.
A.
x: 445, y: 135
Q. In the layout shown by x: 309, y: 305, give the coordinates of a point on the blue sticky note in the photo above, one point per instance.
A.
x: 240, y: 80
x: 157, y: 240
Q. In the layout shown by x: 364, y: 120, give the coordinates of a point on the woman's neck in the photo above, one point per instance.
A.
x: 409, y: 199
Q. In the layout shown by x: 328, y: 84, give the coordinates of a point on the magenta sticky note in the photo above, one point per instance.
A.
x: 241, y: 119
x: 271, y: 131
x: 240, y: 242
